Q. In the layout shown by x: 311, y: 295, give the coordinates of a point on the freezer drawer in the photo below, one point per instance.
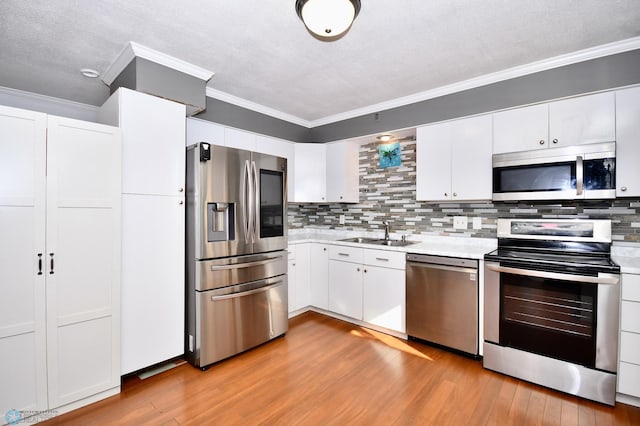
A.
x: 234, y: 319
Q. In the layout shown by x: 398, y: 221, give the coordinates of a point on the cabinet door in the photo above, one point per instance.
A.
x: 343, y: 180
x: 239, y: 139
x: 291, y: 285
x: 319, y: 276
x: 310, y: 179
x: 204, y: 131
x: 471, y: 167
x: 152, y: 280
x: 153, y: 129
x: 628, y: 142
x: 384, y: 297
x: 303, y: 271
x: 345, y: 288
x: 581, y: 120
x: 433, y: 162
x: 22, y: 285
x: 521, y: 129
x: 83, y: 259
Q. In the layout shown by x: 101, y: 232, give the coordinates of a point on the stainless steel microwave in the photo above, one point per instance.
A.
x: 570, y: 173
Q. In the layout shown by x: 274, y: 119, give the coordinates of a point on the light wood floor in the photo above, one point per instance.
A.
x: 326, y: 372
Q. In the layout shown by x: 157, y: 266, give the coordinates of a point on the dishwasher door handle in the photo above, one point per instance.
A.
x: 443, y: 267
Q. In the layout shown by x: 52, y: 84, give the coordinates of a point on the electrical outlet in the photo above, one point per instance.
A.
x: 341, y: 219
x: 477, y: 223
x: 460, y: 222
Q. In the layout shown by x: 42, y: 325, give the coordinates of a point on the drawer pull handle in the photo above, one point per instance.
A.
x: 343, y: 254
x: 382, y: 259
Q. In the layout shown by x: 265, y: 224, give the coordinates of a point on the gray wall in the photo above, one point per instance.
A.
x: 605, y: 73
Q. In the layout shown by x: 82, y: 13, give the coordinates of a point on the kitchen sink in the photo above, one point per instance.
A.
x: 379, y: 241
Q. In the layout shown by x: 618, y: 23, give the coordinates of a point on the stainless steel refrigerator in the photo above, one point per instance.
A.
x: 236, y: 258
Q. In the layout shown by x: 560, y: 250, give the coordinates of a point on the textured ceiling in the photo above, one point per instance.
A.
x: 260, y: 51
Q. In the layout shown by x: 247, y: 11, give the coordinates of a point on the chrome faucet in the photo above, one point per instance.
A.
x: 386, y: 230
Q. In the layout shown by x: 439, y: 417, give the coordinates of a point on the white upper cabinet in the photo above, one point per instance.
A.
x: 310, y: 173
x: 204, y: 131
x: 575, y: 121
x: 628, y: 142
x: 582, y: 120
x: 342, y: 172
x: 453, y: 160
x: 153, y: 141
x: 238, y: 139
x: 521, y: 129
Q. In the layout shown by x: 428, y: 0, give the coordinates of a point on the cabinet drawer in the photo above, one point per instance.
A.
x: 384, y: 258
x: 629, y: 379
x: 630, y: 316
x: 345, y: 254
x: 631, y: 287
x: 630, y: 347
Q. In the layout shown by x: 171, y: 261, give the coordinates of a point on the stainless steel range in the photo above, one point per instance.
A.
x: 552, y: 304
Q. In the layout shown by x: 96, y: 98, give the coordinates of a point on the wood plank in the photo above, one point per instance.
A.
x: 330, y: 372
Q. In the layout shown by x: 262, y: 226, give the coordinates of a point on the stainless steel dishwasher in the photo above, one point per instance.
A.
x: 442, y: 301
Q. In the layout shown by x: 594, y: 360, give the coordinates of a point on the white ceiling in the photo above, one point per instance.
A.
x: 260, y: 51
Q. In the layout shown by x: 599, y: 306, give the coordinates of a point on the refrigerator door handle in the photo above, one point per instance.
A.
x: 256, y: 201
x: 246, y: 210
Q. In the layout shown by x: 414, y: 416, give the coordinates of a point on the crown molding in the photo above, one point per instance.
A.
x: 47, y: 104
x: 226, y: 97
x: 519, y: 71
x: 133, y: 49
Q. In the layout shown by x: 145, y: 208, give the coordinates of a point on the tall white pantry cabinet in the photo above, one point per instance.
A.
x: 153, y: 177
x: 60, y: 215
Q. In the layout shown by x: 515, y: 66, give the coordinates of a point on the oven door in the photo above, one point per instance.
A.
x: 568, y: 317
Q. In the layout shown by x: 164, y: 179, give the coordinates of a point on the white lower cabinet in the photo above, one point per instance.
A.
x: 291, y: 278
x: 629, y: 367
x: 142, y: 218
x: 59, y: 261
x: 298, y: 276
x: 345, y: 288
x: 368, y: 285
x: 384, y: 289
x: 319, y: 276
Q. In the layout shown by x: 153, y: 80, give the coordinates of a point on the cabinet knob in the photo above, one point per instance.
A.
x: 455, y: 194
x: 358, y: 269
x: 181, y: 202
x: 541, y: 142
x: 446, y: 195
x: 555, y: 141
x: 623, y: 189
x: 365, y: 271
x: 322, y: 198
x: 181, y: 190
x: 325, y: 249
x: 341, y: 197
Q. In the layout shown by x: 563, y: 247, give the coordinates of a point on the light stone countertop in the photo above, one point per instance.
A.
x: 464, y: 247
x: 628, y: 257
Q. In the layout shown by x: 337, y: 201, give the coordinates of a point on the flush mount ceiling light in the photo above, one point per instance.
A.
x: 328, y: 20
x: 88, y: 72
x: 385, y: 138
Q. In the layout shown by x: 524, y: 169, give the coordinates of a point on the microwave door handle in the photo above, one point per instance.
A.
x: 579, y: 175
x: 256, y: 201
x: 246, y: 189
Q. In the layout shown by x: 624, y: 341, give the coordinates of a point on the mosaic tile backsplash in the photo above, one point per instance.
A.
x: 390, y: 195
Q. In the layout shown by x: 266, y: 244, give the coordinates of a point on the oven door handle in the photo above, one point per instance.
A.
x: 602, y: 278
